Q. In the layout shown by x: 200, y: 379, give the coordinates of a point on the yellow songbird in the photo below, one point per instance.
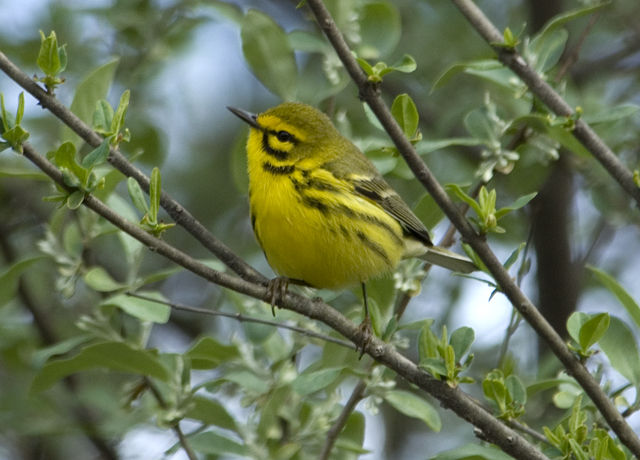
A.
x: 322, y: 213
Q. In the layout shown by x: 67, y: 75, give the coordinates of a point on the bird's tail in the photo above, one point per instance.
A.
x: 448, y: 259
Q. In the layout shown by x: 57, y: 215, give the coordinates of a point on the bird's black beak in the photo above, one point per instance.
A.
x: 247, y: 117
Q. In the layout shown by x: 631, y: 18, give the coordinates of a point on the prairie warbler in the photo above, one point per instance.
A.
x: 322, y: 213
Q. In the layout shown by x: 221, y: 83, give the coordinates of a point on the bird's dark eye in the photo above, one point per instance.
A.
x: 284, y: 136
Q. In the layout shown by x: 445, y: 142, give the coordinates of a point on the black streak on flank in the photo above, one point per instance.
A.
x: 371, y: 220
x: 279, y: 154
x: 312, y: 183
x: 278, y: 170
x: 373, y: 246
x: 314, y: 203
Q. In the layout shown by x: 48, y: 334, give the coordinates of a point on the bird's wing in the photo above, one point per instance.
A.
x: 376, y: 189
x: 354, y: 167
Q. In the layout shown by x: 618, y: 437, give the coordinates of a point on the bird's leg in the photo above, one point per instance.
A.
x: 365, y: 330
x: 276, y: 290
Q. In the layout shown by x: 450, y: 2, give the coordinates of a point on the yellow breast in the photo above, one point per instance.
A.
x: 314, y: 228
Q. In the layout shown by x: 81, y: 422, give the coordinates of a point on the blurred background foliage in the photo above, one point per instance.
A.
x: 183, y: 62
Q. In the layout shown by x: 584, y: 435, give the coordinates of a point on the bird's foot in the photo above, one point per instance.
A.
x: 277, y: 290
x: 365, y: 334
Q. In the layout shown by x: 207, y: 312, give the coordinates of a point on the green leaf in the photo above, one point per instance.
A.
x: 155, y: 189
x: 15, y: 137
x: 380, y: 29
x: 414, y: 406
x: 20, y: 111
x: 11, y: 276
x: 211, y: 443
x: 306, y: 41
x: 425, y: 146
x: 352, y: 435
x: 619, y: 344
x: 405, y: 112
x: 115, y: 356
x: 48, y: 57
x: 210, y: 412
x: 577, y: 450
x: 26, y: 173
x: 406, y: 64
x: 574, y: 324
x: 435, y: 366
x: 267, y: 51
x: 93, y: 88
x: 612, y: 114
x: 137, y: 195
x: 372, y: 116
x: 65, y: 157
x: 479, y: 126
x: 310, y: 382
x: 426, y: 345
x: 461, y: 340
x: 75, y: 199
x: 5, y: 117
x: 103, y: 117
x: 249, y: 381
x: 461, y: 194
x: 548, y: 50
x: 560, y: 20
x: 479, y: 65
x: 40, y: 357
x: 145, y: 310
x: 368, y: 69
x: 226, y: 10
x: 117, y: 122
x: 519, y: 203
x: 473, y: 452
x: 428, y: 211
x: 616, y: 289
x: 516, y: 389
x: 98, y: 279
x: 97, y: 156
x: 513, y: 257
x: 593, y: 330
x: 208, y: 353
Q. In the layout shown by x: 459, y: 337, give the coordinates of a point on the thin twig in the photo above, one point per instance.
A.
x: 515, y: 295
x: 453, y: 398
x: 528, y: 430
x: 179, y: 214
x: 246, y: 319
x: 332, y: 435
x: 182, y: 439
x: 572, y: 56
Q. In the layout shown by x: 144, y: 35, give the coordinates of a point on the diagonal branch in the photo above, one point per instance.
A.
x: 453, y: 398
x: 179, y: 214
x: 508, y: 286
x: 541, y: 89
x: 357, y: 395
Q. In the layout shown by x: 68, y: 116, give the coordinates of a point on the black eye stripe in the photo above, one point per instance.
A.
x: 284, y: 136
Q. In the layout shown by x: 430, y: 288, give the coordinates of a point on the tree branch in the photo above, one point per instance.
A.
x: 177, y: 212
x: 541, y: 89
x: 182, y: 439
x: 453, y: 398
x: 332, y: 435
x: 518, y: 299
x: 247, y: 319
